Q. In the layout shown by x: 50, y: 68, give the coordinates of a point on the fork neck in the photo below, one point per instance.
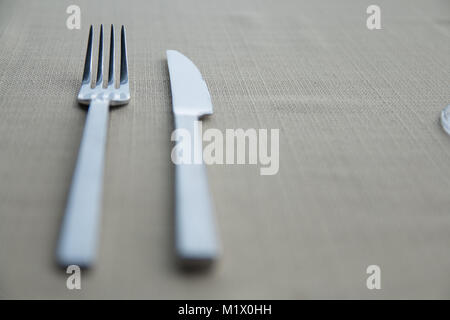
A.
x: 99, y: 102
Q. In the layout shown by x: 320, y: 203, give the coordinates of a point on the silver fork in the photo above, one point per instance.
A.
x: 79, y: 234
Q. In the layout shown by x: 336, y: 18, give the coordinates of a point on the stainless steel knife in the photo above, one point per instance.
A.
x: 196, y: 239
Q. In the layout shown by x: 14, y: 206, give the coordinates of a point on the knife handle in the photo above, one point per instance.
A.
x: 195, y: 229
x: 78, y: 239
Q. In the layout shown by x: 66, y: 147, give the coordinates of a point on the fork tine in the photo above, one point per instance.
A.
x: 88, y: 60
x: 111, y: 59
x: 100, y: 59
x: 123, y: 58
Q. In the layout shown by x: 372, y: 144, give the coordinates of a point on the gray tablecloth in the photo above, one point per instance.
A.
x: 364, y: 165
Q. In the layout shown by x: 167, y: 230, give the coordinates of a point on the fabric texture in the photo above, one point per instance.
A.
x: 364, y: 173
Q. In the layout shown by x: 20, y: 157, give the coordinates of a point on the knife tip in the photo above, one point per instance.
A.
x: 171, y: 52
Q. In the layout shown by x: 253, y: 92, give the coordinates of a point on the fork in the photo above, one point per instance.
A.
x: 80, y: 228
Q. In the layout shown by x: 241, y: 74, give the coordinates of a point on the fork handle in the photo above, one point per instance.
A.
x: 79, y: 233
x: 195, y: 230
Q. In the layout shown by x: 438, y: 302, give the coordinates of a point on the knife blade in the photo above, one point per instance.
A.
x: 196, y: 240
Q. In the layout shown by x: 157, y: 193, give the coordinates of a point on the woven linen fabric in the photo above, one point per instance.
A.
x: 364, y: 173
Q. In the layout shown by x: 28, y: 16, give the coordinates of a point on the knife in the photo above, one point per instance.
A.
x: 196, y: 241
